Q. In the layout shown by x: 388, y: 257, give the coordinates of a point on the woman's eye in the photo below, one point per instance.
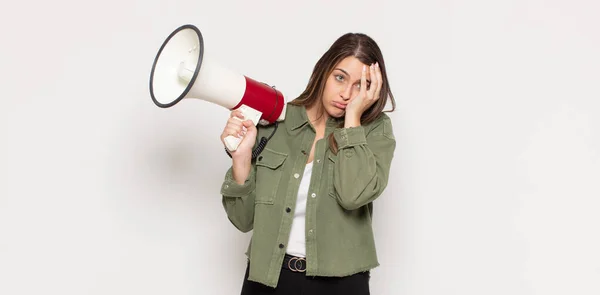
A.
x: 358, y: 86
x: 339, y: 78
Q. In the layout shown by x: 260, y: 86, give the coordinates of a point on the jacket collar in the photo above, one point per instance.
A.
x: 296, y: 118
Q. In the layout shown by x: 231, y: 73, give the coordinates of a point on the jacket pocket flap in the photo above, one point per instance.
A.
x: 270, y: 159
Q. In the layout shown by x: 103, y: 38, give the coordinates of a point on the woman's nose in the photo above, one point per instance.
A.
x: 346, y: 92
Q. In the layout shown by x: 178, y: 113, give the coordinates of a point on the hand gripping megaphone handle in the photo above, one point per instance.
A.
x: 232, y: 142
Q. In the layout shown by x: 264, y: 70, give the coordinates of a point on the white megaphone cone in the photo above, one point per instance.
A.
x: 182, y: 69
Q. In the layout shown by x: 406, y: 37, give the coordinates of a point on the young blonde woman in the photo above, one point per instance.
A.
x: 308, y: 197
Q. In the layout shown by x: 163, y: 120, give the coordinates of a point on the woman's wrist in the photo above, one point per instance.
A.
x: 239, y: 156
x: 351, y: 120
x: 241, y: 167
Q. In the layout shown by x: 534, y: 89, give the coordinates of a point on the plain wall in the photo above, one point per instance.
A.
x: 495, y: 184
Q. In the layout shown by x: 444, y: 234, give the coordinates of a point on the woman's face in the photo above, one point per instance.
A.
x: 342, y: 85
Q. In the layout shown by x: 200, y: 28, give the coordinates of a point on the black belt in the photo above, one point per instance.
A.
x: 293, y: 263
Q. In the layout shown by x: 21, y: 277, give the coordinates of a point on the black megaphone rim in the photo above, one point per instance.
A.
x: 189, y: 86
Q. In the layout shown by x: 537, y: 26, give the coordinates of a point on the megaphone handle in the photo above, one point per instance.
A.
x: 232, y: 142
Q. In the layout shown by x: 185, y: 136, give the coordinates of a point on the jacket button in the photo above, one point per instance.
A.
x: 288, y: 209
x: 280, y: 246
x: 260, y: 158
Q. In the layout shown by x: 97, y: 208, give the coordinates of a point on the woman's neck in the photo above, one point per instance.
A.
x: 317, y: 116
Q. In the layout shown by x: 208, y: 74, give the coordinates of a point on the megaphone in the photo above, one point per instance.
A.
x: 182, y: 69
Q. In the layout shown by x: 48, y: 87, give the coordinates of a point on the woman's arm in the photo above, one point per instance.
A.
x: 239, y: 184
x: 362, y: 168
x: 238, y: 199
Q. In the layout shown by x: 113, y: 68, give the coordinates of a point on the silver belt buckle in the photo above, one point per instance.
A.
x: 298, y: 265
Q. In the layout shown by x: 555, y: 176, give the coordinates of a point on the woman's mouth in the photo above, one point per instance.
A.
x: 339, y: 105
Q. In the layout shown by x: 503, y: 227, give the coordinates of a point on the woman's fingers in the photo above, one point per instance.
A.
x: 233, y: 130
x: 373, y: 86
x: 363, y: 82
x: 247, y: 124
x: 234, y: 126
x: 234, y: 121
x: 238, y: 127
x: 236, y: 113
x: 379, y: 80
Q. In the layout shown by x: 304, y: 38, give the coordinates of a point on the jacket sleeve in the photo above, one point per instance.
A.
x: 238, y: 200
x: 362, y: 168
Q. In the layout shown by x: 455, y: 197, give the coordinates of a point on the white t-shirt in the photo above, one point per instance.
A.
x: 297, y: 243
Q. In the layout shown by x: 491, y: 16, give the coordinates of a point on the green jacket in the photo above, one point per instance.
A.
x: 339, y: 235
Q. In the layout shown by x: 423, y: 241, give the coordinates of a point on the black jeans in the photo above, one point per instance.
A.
x: 297, y: 283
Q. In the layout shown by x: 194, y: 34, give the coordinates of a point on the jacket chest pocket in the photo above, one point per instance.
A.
x: 269, y: 169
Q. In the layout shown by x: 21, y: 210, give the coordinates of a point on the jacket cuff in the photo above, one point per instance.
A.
x: 231, y: 188
x: 348, y: 137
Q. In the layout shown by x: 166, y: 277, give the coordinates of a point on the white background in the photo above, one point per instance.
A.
x: 495, y: 184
